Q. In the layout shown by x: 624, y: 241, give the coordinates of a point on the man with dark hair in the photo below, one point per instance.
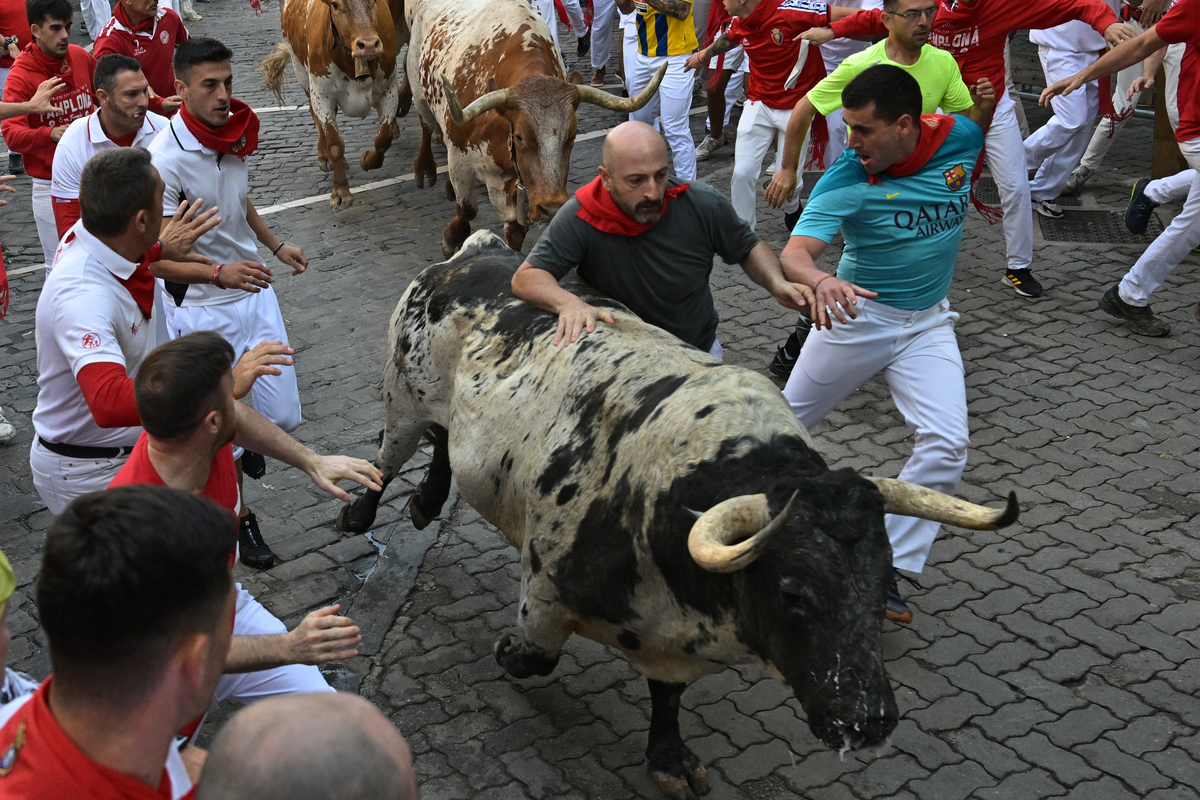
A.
x: 149, y: 32
x: 123, y: 120
x: 185, y: 398
x: 35, y: 136
x: 202, y: 155
x: 309, y: 746
x: 92, y: 324
x: 136, y: 600
x: 899, y: 196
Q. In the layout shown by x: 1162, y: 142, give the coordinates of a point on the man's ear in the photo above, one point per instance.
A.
x: 212, y: 421
x: 605, y: 179
x: 192, y: 657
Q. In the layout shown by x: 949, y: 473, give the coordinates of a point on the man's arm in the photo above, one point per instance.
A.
x: 538, y: 287
x: 984, y: 95
x: 1113, y: 61
x: 289, y: 254
x: 783, y: 185
x: 1097, y: 13
x: 320, y: 637
x: 1150, y: 69
x: 834, y: 297
x: 679, y: 9
x: 763, y: 267
x: 258, y: 434
x: 39, y: 103
x: 19, y: 134
x: 722, y: 44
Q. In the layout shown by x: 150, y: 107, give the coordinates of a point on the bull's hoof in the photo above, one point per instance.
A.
x: 420, y: 517
x: 405, y: 101
x: 679, y: 773
x: 340, y: 199
x: 371, y: 159
x: 521, y: 660
x: 425, y: 173
x: 448, y: 247
x: 356, y: 517
x: 324, y: 163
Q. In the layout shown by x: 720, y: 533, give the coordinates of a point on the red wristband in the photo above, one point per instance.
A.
x: 215, y: 280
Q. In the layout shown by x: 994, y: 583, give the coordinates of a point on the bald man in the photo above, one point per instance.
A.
x: 647, y: 241
x: 309, y: 747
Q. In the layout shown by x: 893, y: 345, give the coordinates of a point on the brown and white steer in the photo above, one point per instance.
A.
x: 486, y: 73
x: 345, y: 54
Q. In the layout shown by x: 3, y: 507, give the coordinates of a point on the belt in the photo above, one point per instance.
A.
x: 85, y: 451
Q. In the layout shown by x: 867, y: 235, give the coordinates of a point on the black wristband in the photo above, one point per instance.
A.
x: 275, y: 252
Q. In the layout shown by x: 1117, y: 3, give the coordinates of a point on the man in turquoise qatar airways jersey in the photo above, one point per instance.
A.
x: 899, y: 194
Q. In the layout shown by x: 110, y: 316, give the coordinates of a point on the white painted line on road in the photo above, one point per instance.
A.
x: 273, y: 109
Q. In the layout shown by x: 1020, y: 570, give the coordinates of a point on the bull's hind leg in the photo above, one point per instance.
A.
x: 675, y: 768
x: 373, y: 158
x: 434, y: 488
x: 543, y: 624
x: 466, y: 204
x: 424, y: 167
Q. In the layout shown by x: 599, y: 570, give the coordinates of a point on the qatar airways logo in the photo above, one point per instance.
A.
x: 934, y: 218
x: 951, y: 40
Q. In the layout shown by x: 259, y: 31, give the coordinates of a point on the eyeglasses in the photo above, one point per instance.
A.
x: 913, y: 16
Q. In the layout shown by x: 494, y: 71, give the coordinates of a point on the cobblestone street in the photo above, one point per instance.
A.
x: 1056, y: 658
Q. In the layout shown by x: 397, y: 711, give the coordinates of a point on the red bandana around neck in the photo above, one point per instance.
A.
x: 934, y: 128
x: 237, y: 137
x: 123, y: 18
x: 596, y: 208
x: 55, y: 67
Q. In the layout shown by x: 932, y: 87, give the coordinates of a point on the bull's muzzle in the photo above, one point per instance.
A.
x: 366, y: 49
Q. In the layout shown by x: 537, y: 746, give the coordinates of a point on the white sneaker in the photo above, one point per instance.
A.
x: 1048, y: 209
x: 706, y: 147
x: 1078, y: 178
x: 189, y: 13
x: 7, y: 431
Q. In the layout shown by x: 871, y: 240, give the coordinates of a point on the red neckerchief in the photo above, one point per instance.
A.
x: 140, y: 284
x: 54, y: 67
x: 596, y: 208
x: 123, y: 18
x: 237, y: 137
x: 933, y: 130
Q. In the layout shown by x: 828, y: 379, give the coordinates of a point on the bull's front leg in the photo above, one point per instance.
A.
x: 386, y: 108
x: 675, y: 768
x: 543, y: 624
x: 514, y: 235
x: 466, y: 205
x: 507, y: 200
x: 424, y: 167
x: 323, y: 103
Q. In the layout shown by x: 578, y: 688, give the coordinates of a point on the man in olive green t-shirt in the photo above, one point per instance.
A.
x: 908, y: 23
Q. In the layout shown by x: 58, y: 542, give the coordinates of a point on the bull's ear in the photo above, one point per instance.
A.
x: 576, y: 77
x: 492, y: 85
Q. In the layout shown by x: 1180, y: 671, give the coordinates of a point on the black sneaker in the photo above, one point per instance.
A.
x: 1023, y: 282
x: 785, y: 357
x: 16, y: 165
x: 585, y: 44
x: 897, y: 609
x: 790, y: 219
x: 252, y: 548
x: 1137, y: 214
x: 1141, y: 319
x: 254, y: 464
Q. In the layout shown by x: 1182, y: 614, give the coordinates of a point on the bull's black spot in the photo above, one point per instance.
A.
x: 524, y: 609
x: 704, y: 412
x: 535, y: 561
x: 588, y: 410
x: 566, y: 493
x: 649, y: 398
x: 629, y: 640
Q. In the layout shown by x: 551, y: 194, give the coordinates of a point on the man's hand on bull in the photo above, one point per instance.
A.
x: 323, y: 636
x: 294, y: 257
x: 326, y: 471
x: 575, y: 317
x: 249, y: 276
x: 817, y: 36
x: 179, y: 233
x: 836, y: 298
x: 264, y: 358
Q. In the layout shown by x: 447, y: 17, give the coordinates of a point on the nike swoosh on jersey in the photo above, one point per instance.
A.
x: 890, y: 196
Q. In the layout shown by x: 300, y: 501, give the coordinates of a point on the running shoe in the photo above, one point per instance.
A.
x: 1078, y: 178
x: 1137, y: 214
x: 1140, y: 319
x: 708, y: 145
x: 1023, y: 282
x: 1048, y: 208
x: 252, y: 547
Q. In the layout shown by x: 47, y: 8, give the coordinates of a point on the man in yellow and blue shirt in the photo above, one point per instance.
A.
x: 666, y: 34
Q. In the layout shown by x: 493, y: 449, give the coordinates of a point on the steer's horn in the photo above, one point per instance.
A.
x: 912, y: 500
x: 462, y: 116
x: 626, y: 105
x: 710, y: 539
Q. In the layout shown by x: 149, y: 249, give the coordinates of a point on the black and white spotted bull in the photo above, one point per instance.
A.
x: 664, y: 504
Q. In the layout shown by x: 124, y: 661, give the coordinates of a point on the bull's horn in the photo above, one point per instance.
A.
x: 729, y: 521
x: 626, y: 105
x: 462, y: 116
x: 912, y: 500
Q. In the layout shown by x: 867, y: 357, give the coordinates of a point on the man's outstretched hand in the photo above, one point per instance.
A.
x: 183, y: 229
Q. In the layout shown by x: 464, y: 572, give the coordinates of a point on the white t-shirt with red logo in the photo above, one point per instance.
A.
x: 85, y: 315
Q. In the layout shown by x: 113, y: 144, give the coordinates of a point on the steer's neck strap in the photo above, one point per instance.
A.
x: 333, y: 31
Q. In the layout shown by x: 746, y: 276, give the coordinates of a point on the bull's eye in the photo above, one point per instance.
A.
x: 798, y: 595
x: 519, y: 138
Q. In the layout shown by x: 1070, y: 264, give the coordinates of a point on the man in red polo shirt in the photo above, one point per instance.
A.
x: 136, y: 600
x: 148, y: 32
x: 35, y: 136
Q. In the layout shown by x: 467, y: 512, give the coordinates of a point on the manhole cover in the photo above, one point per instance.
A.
x: 986, y: 189
x: 1096, y: 227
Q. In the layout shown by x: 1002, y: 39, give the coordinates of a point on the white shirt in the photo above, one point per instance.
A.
x: 84, y: 138
x: 85, y: 316
x: 189, y: 171
x: 838, y: 50
x: 1075, y: 36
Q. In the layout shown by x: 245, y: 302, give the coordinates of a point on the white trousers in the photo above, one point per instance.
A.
x: 917, y: 352
x: 629, y: 49
x: 757, y: 130
x: 1180, y: 237
x: 1055, y: 149
x: 244, y: 323
x: 96, y: 13
x: 60, y: 479
x: 671, y: 105
x: 1106, y: 132
x: 252, y: 619
x: 43, y: 215
x: 1006, y: 160
x: 603, y: 14
x: 574, y: 16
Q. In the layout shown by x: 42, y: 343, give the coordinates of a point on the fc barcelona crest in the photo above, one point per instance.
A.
x: 955, y: 177
x: 776, y: 36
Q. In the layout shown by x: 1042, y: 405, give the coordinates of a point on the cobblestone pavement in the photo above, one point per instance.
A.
x: 1060, y: 657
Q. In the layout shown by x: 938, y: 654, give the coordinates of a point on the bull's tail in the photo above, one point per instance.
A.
x: 273, y: 67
